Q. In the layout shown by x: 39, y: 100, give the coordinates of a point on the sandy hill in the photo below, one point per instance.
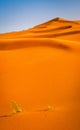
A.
x: 58, y: 27
x: 40, y: 70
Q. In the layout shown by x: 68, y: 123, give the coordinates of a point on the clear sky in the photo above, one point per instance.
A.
x: 22, y: 14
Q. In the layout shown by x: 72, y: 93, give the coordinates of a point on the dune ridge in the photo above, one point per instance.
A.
x: 51, y: 29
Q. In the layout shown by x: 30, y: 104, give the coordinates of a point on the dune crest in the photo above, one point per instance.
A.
x: 58, y: 27
x: 58, y: 19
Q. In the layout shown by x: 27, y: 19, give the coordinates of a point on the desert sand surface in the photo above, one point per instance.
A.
x: 40, y: 70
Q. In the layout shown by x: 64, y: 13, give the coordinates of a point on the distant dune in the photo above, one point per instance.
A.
x: 40, y: 70
x: 58, y: 27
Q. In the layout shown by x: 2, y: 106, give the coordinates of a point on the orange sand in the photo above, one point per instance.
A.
x: 41, y: 67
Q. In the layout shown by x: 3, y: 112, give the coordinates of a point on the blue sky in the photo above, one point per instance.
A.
x: 22, y: 14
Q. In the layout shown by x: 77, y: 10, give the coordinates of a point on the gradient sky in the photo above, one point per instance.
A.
x: 22, y: 14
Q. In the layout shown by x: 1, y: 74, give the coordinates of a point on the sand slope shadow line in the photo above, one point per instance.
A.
x: 49, y: 30
x: 66, y: 33
x: 50, y: 35
x: 25, y: 43
x: 47, y: 35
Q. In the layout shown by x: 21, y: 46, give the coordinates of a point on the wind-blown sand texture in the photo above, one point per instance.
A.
x: 40, y: 70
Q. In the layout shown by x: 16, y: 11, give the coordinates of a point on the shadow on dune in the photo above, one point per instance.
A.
x: 49, y: 30
x: 26, y: 43
x: 66, y: 33
x: 50, y: 35
x: 45, y: 35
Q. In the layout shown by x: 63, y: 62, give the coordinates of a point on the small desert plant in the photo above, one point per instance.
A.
x: 15, y: 107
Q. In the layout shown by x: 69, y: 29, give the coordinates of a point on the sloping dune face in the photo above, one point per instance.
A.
x: 40, y: 71
x: 56, y: 28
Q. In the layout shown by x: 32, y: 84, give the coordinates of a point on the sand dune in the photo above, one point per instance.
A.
x: 40, y: 70
x: 60, y: 28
